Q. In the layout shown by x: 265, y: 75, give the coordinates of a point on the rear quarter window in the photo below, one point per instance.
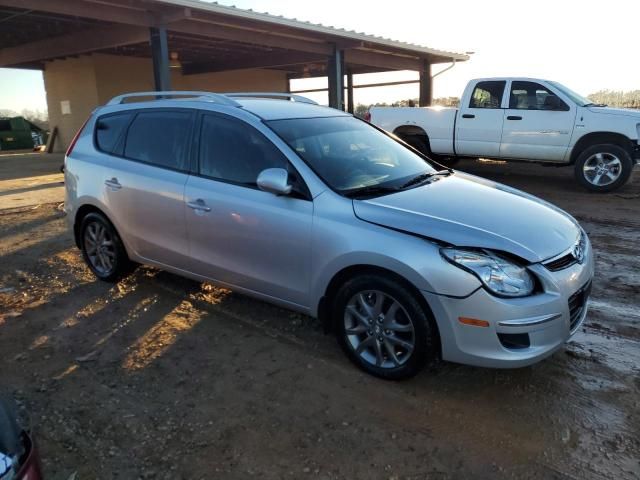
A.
x: 110, y: 130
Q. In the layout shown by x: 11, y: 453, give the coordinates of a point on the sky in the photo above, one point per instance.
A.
x: 586, y: 45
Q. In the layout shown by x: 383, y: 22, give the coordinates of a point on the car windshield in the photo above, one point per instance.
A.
x: 351, y: 155
x: 576, y: 97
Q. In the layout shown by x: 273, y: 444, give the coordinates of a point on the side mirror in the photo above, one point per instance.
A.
x: 274, y: 180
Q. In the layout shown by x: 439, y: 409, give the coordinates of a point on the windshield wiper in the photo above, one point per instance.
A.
x: 595, y: 105
x: 425, y: 176
x: 371, y: 190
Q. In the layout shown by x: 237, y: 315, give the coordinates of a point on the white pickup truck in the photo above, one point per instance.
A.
x: 525, y: 119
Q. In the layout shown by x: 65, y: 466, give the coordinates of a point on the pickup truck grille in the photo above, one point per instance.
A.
x: 577, y: 304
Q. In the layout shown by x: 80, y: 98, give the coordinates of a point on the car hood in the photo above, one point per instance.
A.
x: 469, y: 211
x: 615, y: 111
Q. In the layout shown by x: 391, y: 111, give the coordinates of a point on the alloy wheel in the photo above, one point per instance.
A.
x: 378, y: 329
x: 100, y: 248
x: 602, y: 169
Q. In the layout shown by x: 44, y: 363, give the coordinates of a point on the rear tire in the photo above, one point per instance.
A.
x: 421, y: 145
x: 603, y: 168
x: 383, y: 328
x: 102, y: 248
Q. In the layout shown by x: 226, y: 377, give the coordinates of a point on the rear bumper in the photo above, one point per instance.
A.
x: 520, y: 331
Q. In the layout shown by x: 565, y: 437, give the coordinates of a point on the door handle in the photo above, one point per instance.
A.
x: 514, y: 117
x: 468, y: 115
x: 199, y: 206
x: 113, y: 184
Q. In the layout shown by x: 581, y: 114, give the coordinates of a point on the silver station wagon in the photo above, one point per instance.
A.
x: 317, y: 211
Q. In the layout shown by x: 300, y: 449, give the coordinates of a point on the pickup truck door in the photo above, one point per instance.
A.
x: 480, y: 119
x: 537, y: 123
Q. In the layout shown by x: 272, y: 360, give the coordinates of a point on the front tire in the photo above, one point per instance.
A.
x: 102, y: 248
x: 603, y: 168
x: 383, y: 328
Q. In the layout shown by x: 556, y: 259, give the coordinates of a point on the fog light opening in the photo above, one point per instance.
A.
x: 514, y: 341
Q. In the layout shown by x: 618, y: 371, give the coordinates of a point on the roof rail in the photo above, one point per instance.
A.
x: 288, y: 96
x: 215, y: 97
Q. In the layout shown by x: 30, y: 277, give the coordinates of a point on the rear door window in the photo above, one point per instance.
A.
x: 487, y: 94
x: 110, y: 130
x: 160, y: 138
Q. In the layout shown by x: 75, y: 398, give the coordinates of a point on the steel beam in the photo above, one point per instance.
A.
x: 195, y: 26
x: 350, y: 107
x: 382, y: 60
x: 87, y: 9
x: 266, y: 60
x: 335, y: 72
x: 426, y: 85
x: 160, y: 56
x: 84, y: 41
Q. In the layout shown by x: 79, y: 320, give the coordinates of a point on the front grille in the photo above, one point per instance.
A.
x: 562, y: 262
x: 577, y: 304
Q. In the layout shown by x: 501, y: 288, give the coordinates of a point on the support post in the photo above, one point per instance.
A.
x: 350, y: 106
x: 335, y: 71
x: 160, y: 55
x: 426, y: 85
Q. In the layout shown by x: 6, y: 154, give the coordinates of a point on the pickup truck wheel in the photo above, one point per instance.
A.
x: 603, y: 168
x: 417, y: 143
x: 420, y: 145
x: 382, y: 327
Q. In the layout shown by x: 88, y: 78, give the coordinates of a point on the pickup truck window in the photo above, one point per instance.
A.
x: 533, y: 96
x: 487, y: 94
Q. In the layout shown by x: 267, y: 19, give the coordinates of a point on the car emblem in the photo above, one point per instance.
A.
x: 578, y: 251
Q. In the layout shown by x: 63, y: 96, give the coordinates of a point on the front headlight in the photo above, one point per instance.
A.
x: 499, y: 275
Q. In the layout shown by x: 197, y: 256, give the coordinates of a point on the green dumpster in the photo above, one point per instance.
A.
x: 17, y: 133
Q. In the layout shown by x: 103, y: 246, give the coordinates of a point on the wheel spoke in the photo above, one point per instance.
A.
x: 378, y: 349
x: 98, y: 262
x: 399, y: 327
x: 91, y: 230
x: 600, y: 157
x: 392, y: 311
x: 391, y: 352
x: 358, y: 316
x: 589, y: 168
x: 613, y: 162
x: 357, y: 330
x: 100, y: 234
x: 596, y: 179
x: 362, y: 301
x: 402, y: 343
x: 365, y: 344
x: 377, y: 306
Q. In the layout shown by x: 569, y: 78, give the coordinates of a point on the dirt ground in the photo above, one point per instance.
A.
x: 161, y: 377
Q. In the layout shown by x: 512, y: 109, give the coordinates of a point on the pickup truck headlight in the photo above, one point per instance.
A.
x: 500, y: 276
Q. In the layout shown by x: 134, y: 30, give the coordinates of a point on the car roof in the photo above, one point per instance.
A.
x: 264, y: 108
x: 274, y: 109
